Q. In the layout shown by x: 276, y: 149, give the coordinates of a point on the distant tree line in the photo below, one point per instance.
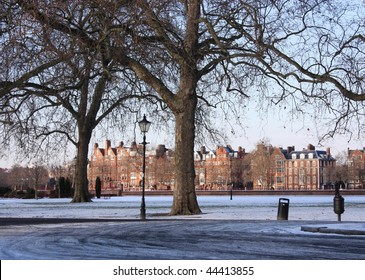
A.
x: 26, y: 182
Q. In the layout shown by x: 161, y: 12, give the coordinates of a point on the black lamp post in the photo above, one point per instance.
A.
x: 144, y: 125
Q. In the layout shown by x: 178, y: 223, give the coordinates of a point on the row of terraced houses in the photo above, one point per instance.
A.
x: 275, y: 168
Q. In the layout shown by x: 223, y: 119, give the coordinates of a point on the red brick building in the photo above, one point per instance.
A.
x: 310, y: 169
x: 278, y: 168
x: 267, y: 168
x: 120, y: 168
x: 219, y: 169
x: 287, y: 169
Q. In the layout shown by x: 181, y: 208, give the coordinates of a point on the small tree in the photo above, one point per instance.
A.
x: 98, y: 187
x: 65, y: 187
x: 61, y: 185
x: 260, y: 163
x: 69, y: 191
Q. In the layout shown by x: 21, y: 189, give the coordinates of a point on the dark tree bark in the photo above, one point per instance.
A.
x: 81, y: 193
x: 185, y: 202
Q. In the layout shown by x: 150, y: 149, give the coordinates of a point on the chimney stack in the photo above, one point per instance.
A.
x: 107, y: 144
x: 328, y: 152
x: 311, y: 147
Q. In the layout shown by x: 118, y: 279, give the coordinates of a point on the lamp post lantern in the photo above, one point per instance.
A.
x: 144, y: 125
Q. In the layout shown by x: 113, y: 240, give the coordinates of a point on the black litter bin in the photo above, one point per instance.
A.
x: 283, y: 209
x: 339, y: 204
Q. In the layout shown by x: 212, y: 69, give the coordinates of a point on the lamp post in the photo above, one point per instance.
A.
x: 144, y: 125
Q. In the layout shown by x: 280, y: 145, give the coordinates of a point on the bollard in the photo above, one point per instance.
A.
x: 338, y: 202
x: 283, y: 209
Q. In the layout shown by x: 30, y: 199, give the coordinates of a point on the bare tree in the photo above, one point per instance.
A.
x: 261, y: 165
x: 341, y: 171
x: 58, y: 79
x: 18, y: 178
x: 196, y: 54
x: 355, y: 168
x: 300, y: 52
x: 38, y: 175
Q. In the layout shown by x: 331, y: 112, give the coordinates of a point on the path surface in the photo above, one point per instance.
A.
x: 174, y: 239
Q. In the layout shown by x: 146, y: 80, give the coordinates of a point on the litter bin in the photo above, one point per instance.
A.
x: 283, y: 209
x: 338, y: 202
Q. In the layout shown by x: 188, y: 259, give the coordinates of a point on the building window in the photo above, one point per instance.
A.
x: 279, y: 170
x: 220, y: 180
x: 202, y: 179
x: 133, y: 179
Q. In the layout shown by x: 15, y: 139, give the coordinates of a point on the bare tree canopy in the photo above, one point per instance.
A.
x: 59, y: 80
x: 189, y: 53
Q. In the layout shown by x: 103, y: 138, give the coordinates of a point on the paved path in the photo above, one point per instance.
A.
x: 173, y: 239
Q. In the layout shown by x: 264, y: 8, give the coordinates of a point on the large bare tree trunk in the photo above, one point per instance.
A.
x: 185, y: 201
x: 86, y: 124
x: 80, y: 181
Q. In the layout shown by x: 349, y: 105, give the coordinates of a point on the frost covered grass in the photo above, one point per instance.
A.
x: 213, y: 207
